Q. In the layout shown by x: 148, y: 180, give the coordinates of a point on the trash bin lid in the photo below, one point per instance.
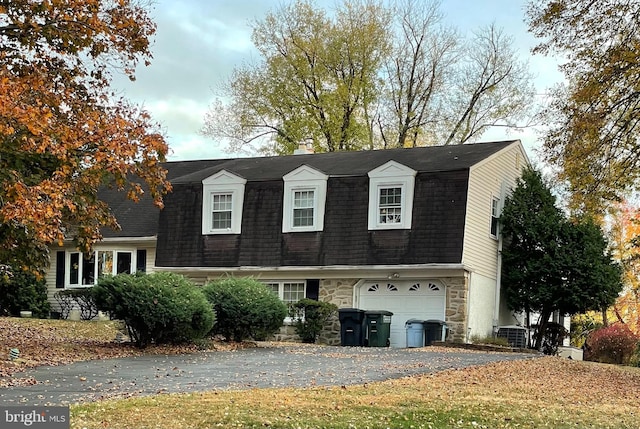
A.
x: 379, y: 312
x: 434, y: 322
x: 414, y: 321
x: 350, y: 310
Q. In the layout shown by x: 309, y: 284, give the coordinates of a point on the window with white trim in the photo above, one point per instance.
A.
x: 495, y: 216
x: 391, y: 188
x: 305, y: 192
x: 390, y: 205
x: 85, y: 270
x: 221, y: 210
x: 222, y: 202
x: 304, y: 203
x: 289, y: 292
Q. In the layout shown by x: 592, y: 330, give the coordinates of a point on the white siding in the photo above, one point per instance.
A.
x: 494, y: 177
x: 482, y: 301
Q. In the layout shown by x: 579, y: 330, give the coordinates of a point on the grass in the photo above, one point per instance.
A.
x: 535, y: 393
x: 546, y: 392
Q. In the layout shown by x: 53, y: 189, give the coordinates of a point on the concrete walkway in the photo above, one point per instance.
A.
x: 261, y: 367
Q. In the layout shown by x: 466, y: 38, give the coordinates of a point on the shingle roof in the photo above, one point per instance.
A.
x: 356, y: 163
x: 141, y: 219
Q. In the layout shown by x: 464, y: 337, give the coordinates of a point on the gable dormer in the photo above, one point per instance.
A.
x: 391, y: 188
x: 222, y: 201
x: 305, y: 194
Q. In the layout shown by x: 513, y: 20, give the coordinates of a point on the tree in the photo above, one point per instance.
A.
x: 63, y: 132
x: 369, y: 76
x: 594, y: 118
x: 625, y: 232
x: 317, y: 78
x: 551, y: 263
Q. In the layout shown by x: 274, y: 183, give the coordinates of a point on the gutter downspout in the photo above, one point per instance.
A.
x: 496, y: 309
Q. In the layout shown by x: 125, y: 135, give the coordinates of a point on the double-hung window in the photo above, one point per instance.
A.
x: 495, y: 216
x: 221, y: 211
x: 222, y: 202
x: 303, y: 208
x: 390, y: 205
x: 391, y: 196
x: 305, y: 191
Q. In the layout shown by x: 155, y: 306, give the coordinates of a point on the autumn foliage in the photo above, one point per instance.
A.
x: 63, y: 131
x: 612, y: 344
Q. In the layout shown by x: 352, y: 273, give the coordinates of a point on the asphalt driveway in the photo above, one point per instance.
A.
x: 261, y: 367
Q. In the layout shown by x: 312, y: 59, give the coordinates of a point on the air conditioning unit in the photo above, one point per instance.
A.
x: 515, y: 335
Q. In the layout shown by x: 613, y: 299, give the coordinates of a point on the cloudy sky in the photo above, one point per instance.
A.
x: 199, y: 42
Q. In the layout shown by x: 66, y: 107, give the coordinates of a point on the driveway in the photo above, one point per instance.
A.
x: 261, y: 367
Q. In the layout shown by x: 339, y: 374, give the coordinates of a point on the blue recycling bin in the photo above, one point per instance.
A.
x: 415, y: 332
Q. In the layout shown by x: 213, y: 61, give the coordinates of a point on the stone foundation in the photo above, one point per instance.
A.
x: 456, y: 308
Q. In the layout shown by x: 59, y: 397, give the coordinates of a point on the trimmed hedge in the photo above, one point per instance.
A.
x: 22, y: 291
x: 156, y: 308
x: 245, y: 309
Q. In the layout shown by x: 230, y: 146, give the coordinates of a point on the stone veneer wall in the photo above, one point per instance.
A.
x: 456, y: 308
x: 340, y: 293
x: 336, y: 291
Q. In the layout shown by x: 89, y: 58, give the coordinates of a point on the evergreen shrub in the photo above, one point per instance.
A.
x: 245, y: 309
x: 156, y: 308
x: 310, y: 317
x: 22, y: 290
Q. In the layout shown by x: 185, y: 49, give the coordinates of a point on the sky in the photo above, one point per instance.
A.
x: 198, y: 43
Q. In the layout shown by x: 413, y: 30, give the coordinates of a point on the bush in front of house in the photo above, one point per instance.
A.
x: 156, y: 308
x: 553, y: 338
x: 82, y: 298
x: 245, y: 309
x: 310, y: 316
x: 22, y: 290
x: 613, y: 344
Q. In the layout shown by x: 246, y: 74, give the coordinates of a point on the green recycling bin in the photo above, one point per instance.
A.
x: 378, y: 328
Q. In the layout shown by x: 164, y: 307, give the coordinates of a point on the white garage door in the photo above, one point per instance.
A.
x: 406, y: 300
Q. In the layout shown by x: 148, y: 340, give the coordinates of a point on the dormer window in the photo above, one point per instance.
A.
x: 391, y: 196
x: 222, y: 201
x: 305, y: 192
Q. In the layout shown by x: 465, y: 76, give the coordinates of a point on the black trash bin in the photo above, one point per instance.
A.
x: 434, y: 330
x: 378, y: 326
x: 351, y: 326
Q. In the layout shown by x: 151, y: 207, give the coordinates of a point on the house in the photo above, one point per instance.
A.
x: 411, y: 231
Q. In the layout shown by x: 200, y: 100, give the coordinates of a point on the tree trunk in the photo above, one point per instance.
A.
x: 542, y: 327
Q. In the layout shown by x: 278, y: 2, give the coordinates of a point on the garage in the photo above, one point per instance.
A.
x: 406, y: 299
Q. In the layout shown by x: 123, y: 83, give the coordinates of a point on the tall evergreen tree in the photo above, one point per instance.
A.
x: 549, y: 262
